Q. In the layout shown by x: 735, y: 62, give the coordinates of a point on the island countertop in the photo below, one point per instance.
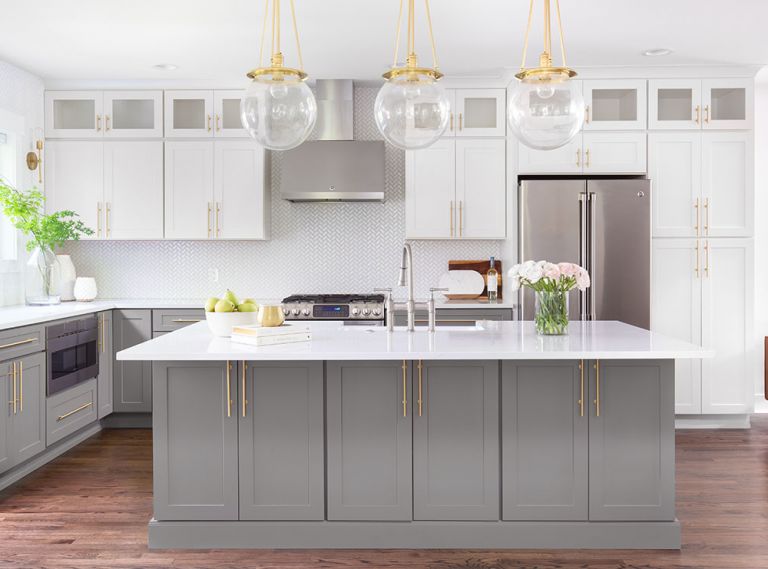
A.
x: 485, y: 341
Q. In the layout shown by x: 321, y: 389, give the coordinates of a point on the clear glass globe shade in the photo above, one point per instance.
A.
x: 280, y: 115
x: 412, y: 113
x: 546, y: 115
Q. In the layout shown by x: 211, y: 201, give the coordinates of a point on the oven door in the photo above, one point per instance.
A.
x: 72, y: 359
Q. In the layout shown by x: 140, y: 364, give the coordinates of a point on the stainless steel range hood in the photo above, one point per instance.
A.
x: 334, y: 167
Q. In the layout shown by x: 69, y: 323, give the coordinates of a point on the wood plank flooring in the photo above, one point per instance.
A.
x: 90, y: 507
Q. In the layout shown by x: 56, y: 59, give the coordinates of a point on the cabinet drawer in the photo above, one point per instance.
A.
x: 18, y: 342
x: 70, y: 410
x: 170, y: 320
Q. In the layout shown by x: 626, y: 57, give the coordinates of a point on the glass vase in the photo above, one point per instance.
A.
x: 41, y: 278
x: 551, y: 316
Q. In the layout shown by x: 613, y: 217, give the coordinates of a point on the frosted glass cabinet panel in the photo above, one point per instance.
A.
x: 133, y: 114
x: 727, y: 103
x: 479, y: 112
x: 73, y: 114
x: 708, y: 104
x: 674, y: 104
x: 615, y: 105
x: 227, y: 114
x: 189, y: 113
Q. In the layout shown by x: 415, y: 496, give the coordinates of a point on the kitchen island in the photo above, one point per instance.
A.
x: 481, y: 437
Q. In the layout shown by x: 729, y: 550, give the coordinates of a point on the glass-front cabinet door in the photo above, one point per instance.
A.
x: 615, y: 104
x: 226, y: 107
x: 189, y: 114
x: 73, y: 114
x: 674, y: 104
x: 133, y: 114
x: 727, y: 103
x: 480, y: 112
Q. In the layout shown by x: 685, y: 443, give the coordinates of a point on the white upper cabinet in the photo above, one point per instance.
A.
x: 133, y: 114
x: 226, y: 110
x: 680, y: 104
x: 564, y: 160
x: 727, y: 103
x: 674, y: 167
x: 239, y: 190
x: 189, y: 114
x: 615, y: 104
x: 477, y: 113
x: 430, y: 191
x: 480, y: 188
x: 189, y: 207
x: 73, y: 114
x: 614, y: 153
x: 133, y: 190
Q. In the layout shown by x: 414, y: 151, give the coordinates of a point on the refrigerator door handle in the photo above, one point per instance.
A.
x: 592, y: 268
x: 583, y: 261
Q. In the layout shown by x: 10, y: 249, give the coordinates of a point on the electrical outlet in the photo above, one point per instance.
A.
x: 213, y: 275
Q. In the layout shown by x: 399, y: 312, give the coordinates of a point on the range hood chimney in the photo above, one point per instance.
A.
x: 334, y: 167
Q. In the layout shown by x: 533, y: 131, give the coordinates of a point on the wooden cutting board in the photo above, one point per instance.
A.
x: 482, y: 268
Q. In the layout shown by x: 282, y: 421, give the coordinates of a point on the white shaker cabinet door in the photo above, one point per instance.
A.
x: 133, y: 190
x: 226, y: 114
x: 189, y: 207
x: 74, y: 171
x: 674, y: 167
x: 727, y: 184
x: 567, y: 159
x: 615, y: 153
x: 481, y: 187
x: 133, y: 114
x: 241, y: 210
x: 189, y: 114
x: 727, y: 325
x: 73, y: 114
x: 430, y: 191
x: 676, y: 310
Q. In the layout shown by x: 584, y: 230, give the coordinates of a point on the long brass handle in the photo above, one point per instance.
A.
x: 13, y: 379
x: 461, y: 218
x: 405, y: 388
x: 19, y: 343
x: 209, y: 123
x: 98, y: 123
x: 104, y: 333
x: 186, y: 320
x: 208, y: 219
x: 586, y: 115
x: 451, y: 218
x: 108, y: 211
x: 73, y: 411
x: 245, y: 401
x: 706, y: 114
x: 586, y: 158
x: 578, y: 157
x: 218, y: 222
x: 461, y: 121
x: 696, y: 268
x: 98, y: 219
x: 698, y: 114
x: 706, y: 216
x: 106, y: 122
x: 229, y: 389
x: 451, y: 122
x: 698, y: 215
x: 218, y: 119
x: 597, y: 388
x: 706, y: 259
x: 21, y: 386
x: 581, y: 388
x: 420, y: 401
x: 98, y: 332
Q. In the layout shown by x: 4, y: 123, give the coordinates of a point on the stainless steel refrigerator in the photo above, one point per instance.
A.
x: 602, y: 224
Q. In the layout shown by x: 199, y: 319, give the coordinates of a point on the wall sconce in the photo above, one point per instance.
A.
x: 35, y: 159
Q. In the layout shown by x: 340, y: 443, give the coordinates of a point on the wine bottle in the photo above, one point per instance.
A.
x: 493, y: 281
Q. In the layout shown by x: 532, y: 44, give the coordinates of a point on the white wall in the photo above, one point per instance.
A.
x: 21, y: 93
x: 761, y: 227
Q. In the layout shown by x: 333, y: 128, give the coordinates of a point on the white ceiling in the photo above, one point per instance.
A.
x: 119, y: 40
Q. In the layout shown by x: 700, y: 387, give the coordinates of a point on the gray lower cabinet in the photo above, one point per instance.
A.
x: 281, y: 443
x: 456, y: 441
x: 635, y: 400
x: 195, y: 441
x: 70, y: 410
x: 169, y: 320
x: 369, y: 429
x: 132, y: 380
x: 544, y: 434
x: 6, y: 416
x: 105, y: 380
x: 27, y: 430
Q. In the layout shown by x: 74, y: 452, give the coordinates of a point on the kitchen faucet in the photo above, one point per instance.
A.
x: 406, y: 279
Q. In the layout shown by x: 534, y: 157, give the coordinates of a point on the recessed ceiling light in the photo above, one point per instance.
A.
x: 657, y: 52
x: 165, y: 66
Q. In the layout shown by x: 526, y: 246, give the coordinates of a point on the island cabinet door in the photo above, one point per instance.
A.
x: 281, y: 457
x: 194, y: 440
x: 632, y: 440
x: 132, y: 380
x: 456, y: 441
x: 544, y: 438
x: 369, y: 441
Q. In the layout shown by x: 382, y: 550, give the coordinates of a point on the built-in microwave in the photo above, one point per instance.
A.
x: 73, y: 353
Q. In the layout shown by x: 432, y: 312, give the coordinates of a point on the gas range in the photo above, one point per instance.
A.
x: 355, y: 307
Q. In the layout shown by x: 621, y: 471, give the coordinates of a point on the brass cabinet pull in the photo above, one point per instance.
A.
x: 104, y: 333
x: 209, y: 123
x: 696, y: 268
x: 186, y: 320
x: 245, y: 401
x: 461, y: 218
x: 208, y: 219
x: 706, y: 216
x: 586, y: 115
x: 451, y: 122
x: 706, y: 114
x: 586, y: 158
x: 65, y: 415
x: 405, y: 388
x: 98, y: 123
x: 98, y: 219
x: 229, y: 389
x: 706, y: 259
x: 106, y: 122
x: 696, y: 209
x: 597, y: 388
x: 21, y: 386
x: 698, y: 114
x: 461, y: 121
x: 13, y: 379
x: 19, y: 343
x: 218, y: 223
x: 420, y: 400
x: 218, y: 127
x: 108, y: 211
x: 451, y: 218
x: 581, y: 388
x: 98, y: 332
x: 578, y: 157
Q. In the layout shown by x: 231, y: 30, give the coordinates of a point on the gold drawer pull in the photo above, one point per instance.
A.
x: 420, y: 398
x: 19, y: 343
x: 65, y: 415
x: 597, y: 388
x: 405, y: 388
x: 581, y: 389
x: 187, y: 320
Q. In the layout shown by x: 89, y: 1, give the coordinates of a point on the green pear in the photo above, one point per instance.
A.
x: 249, y: 301
x: 230, y: 296
x: 247, y: 307
x: 210, y: 304
x: 224, y: 305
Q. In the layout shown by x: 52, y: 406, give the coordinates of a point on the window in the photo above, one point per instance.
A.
x: 8, y: 162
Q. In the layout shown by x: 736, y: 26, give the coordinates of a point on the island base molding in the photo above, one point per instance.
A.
x: 413, y: 535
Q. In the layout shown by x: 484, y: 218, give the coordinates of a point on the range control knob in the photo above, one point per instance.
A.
x: 286, y: 311
x: 366, y: 312
x: 305, y: 312
x: 355, y: 311
x: 295, y: 311
x: 377, y: 311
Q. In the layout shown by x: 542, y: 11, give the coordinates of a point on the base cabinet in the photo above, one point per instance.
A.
x: 132, y: 380
x: 26, y: 424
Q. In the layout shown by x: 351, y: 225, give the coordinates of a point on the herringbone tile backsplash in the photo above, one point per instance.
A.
x: 314, y: 247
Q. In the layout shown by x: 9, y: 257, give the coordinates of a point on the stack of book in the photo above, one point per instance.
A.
x: 257, y: 335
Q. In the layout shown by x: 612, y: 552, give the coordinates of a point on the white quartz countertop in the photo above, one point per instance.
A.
x: 488, y: 340
x: 23, y: 315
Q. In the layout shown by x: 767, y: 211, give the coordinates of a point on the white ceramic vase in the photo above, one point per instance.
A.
x: 67, y: 276
x: 85, y: 289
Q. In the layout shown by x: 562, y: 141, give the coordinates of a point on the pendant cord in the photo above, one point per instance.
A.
x: 411, y: 46
x: 560, y: 27
x: 263, y: 33
x: 274, y: 14
x: 527, y: 33
x: 296, y: 33
x: 397, y: 34
x: 547, y: 29
x: 435, y: 63
x: 277, y: 2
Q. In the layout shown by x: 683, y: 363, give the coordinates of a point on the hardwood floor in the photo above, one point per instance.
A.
x: 90, y: 507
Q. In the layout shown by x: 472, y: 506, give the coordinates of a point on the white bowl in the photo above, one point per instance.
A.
x: 221, y: 323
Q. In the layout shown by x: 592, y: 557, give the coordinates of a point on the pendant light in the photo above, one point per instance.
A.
x: 412, y: 109
x: 546, y: 110
x: 279, y: 109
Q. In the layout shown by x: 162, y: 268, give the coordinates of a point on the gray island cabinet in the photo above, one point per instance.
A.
x: 396, y: 441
